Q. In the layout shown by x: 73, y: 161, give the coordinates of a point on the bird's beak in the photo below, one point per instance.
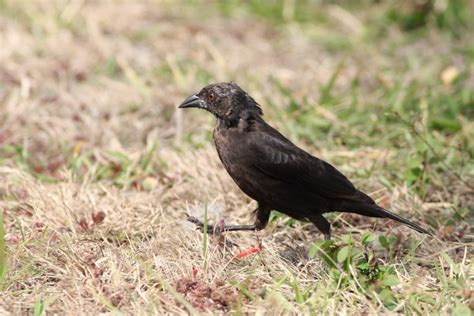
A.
x: 193, y: 102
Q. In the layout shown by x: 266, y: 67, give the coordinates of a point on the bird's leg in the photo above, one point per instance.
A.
x: 322, y: 224
x: 263, y: 215
x: 327, y: 236
x: 217, y: 229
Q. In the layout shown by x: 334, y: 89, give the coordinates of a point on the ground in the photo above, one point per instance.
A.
x: 99, y: 169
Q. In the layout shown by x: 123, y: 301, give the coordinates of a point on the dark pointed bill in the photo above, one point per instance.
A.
x: 192, y: 102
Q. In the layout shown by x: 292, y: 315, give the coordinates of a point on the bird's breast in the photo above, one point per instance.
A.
x: 233, y: 152
x: 229, y: 148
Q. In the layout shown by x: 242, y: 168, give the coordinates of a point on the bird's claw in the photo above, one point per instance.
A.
x: 211, y: 229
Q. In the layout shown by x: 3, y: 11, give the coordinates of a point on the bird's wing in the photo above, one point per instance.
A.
x: 277, y: 157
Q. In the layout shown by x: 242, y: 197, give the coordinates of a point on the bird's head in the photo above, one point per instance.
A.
x: 227, y: 101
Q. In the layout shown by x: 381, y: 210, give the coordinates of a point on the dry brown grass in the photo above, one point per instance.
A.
x: 143, y: 249
x: 80, y: 79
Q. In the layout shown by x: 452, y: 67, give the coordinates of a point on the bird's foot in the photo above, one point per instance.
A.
x: 215, y: 230
x: 211, y: 229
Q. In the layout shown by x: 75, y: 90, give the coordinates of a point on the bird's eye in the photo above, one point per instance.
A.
x: 211, y: 97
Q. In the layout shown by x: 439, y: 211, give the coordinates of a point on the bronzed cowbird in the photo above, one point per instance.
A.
x: 272, y: 170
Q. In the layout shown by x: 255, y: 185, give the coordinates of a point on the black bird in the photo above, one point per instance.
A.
x: 272, y: 170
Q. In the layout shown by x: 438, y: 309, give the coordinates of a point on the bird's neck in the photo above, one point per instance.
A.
x: 243, y: 120
x: 226, y: 123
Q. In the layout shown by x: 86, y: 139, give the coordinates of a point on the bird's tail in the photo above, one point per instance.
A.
x: 373, y: 210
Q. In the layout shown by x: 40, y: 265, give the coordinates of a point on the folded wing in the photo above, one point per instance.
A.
x: 277, y: 157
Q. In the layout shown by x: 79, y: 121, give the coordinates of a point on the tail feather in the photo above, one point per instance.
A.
x: 373, y: 210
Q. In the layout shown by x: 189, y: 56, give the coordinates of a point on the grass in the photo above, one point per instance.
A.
x: 98, y: 169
